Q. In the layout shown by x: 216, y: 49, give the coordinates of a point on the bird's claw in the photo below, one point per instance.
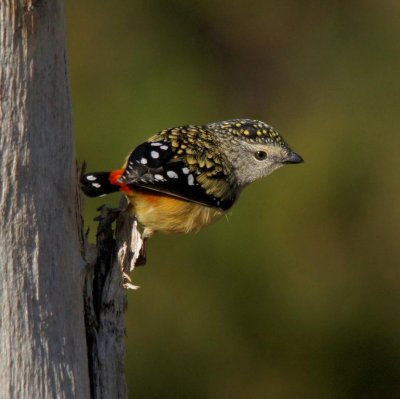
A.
x: 127, y: 282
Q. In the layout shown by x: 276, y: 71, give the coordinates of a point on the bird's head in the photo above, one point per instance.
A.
x: 253, y: 148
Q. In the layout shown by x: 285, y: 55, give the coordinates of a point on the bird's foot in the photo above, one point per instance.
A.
x: 127, y: 282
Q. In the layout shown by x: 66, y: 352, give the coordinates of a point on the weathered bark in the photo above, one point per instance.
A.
x: 42, y: 334
x: 48, y: 270
x: 106, y: 301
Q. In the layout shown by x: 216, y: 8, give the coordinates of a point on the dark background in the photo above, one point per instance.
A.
x: 296, y: 294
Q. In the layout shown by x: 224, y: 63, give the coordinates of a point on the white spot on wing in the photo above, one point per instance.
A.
x: 91, y: 178
x: 154, y: 154
x: 185, y: 170
x: 164, y: 147
x: 156, y: 144
x: 159, y: 177
x: 191, y: 180
x: 96, y: 185
x: 172, y: 174
x: 143, y: 161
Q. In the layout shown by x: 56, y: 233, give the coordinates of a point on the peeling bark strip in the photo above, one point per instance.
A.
x: 43, y: 352
x: 112, y: 258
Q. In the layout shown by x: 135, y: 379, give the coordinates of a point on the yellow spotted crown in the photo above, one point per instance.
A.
x: 250, y: 130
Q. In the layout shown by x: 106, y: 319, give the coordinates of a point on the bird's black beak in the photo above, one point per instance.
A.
x: 293, y: 158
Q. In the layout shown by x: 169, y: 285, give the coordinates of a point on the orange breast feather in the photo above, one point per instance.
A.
x: 168, y: 214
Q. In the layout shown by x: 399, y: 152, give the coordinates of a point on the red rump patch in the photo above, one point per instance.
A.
x: 114, y: 179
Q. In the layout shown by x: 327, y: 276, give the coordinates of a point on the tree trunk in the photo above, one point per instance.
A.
x: 43, y: 348
x: 62, y: 300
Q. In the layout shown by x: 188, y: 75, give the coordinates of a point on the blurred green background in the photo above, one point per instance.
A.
x: 297, y: 294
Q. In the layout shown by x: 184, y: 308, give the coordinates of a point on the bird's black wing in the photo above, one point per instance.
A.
x: 183, y: 165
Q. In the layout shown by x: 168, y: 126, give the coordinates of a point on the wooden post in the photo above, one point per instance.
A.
x: 43, y: 348
x: 51, y: 280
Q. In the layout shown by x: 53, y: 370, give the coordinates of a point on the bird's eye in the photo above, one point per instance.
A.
x: 260, y: 155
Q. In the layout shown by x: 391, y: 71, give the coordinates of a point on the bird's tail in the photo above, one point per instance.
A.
x: 97, y: 184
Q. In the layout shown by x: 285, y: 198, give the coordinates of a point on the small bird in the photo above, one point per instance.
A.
x: 186, y: 177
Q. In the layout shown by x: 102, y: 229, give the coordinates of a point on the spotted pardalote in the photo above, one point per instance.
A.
x: 184, y: 178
